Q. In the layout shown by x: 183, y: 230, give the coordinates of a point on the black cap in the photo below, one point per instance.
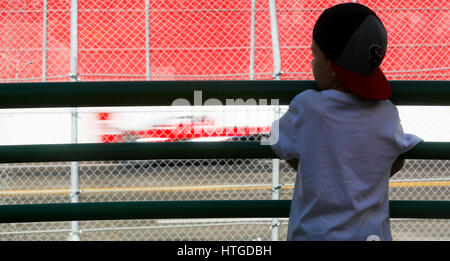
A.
x: 355, y: 41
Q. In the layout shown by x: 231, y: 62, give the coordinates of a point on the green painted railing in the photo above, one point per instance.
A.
x: 89, y: 94
x: 191, y: 209
x: 172, y: 150
x: 163, y: 93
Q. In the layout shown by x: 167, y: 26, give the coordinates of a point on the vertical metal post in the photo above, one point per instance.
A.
x: 75, y: 234
x: 74, y: 40
x: 147, y: 39
x: 275, y: 40
x: 252, y: 41
x: 44, y: 44
x: 275, y: 196
x: 276, y: 76
x: 275, y: 186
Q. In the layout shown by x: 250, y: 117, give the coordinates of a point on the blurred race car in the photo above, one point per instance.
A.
x: 186, y: 128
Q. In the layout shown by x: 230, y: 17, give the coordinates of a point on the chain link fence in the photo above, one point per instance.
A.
x: 193, y: 40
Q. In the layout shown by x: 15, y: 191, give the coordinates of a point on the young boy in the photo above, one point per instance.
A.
x: 347, y: 136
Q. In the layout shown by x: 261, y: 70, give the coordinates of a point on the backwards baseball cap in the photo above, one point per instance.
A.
x: 355, y: 41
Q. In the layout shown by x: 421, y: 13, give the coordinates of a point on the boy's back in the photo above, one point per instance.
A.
x: 347, y: 136
x: 346, y: 146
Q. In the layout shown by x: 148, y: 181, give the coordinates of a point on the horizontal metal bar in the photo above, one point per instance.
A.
x: 172, y: 150
x: 191, y: 209
x: 429, y: 150
x: 133, y: 151
x: 164, y: 93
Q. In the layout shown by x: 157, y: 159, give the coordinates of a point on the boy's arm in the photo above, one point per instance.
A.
x: 397, y: 166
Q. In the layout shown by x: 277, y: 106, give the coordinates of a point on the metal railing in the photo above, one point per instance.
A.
x: 191, y: 209
x: 88, y: 94
x: 164, y: 93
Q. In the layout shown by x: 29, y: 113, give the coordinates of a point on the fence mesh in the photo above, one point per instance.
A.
x: 192, y: 40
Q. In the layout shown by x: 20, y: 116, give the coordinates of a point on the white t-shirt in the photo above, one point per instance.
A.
x: 346, y: 146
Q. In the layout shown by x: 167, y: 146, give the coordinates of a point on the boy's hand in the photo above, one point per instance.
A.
x: 397, y: 166
x: 293, y: 163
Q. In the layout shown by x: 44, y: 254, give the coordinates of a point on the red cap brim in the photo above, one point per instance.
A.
x: 374, y: 87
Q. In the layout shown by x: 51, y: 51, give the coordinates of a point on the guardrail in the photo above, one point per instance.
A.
x: 173, y: 150
x: 190, y: 209
x: 162, y: 93
x: 89, y: 94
